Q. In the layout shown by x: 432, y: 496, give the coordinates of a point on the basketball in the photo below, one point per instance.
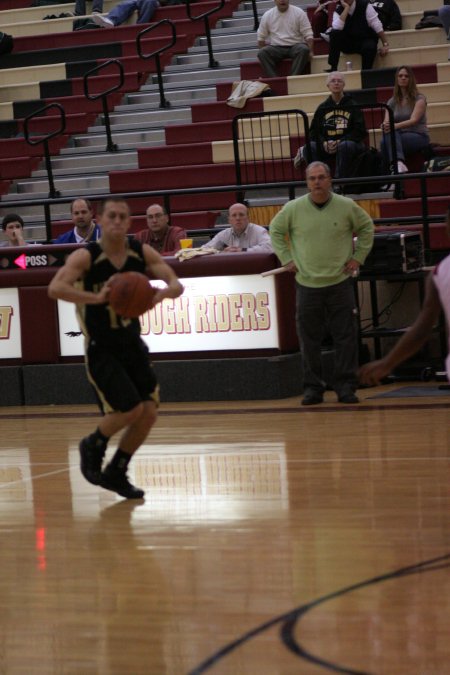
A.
x: 131, y: 294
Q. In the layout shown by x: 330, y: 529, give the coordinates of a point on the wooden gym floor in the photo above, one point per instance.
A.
x: 274, y: 540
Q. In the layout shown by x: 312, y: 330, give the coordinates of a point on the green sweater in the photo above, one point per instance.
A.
x: 321, y: 239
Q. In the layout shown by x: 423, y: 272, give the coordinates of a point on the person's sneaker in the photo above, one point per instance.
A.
x: 401, y: 167
x: 102, y: 21
x: 326, y: 36
x: 312, y: 398
x: 348, y: 398
x: 117, y: 481
x: 91, y: 459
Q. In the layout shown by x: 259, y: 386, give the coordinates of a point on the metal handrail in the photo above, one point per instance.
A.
x: 110, y: 146
x: 164, y: 103
x: 52, y: 134
x: 424, y: 177
x: 52, y: 193
x: 255, y: 15
x: 205, y: 16
x: 291, y: 117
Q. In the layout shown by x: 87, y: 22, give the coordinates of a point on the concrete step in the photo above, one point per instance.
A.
x: 201, y: 60
x: 181, y: 97
x: 76, y: 183
x: 125, y: 141
x: 202, y: 77
x: 69, y: 192
x: 132, y: 119
x: 222, y: 41
x: 89, y: 164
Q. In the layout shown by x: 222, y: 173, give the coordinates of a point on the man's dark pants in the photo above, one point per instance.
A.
x: 319, y: 311
x: 340, y: 42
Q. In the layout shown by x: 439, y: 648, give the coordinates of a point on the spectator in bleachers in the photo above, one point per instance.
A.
x: 12, y: 226
x: 241, y: 235
x: 356, y: 28
x: 319, y: 19
x: 85, y: 228
x: 121, y: 12
x: 444, y: 15
x: 161, y: 236
x: 410, y: 121
x: 285, y: 33
x: 338, y: 129
x: 388, y: 12
x: 80, y: 7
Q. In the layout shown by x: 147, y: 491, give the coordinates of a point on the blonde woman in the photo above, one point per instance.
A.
x: 410, y: 121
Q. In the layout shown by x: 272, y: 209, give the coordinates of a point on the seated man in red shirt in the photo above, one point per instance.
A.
x: 163, y: 237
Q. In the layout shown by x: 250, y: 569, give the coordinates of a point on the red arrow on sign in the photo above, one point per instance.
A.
x: 21, y: 261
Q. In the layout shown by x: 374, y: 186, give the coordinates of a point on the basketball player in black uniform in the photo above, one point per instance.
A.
x: 117, y: 360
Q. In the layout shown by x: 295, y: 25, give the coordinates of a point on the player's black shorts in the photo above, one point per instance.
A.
x: 122, y: 377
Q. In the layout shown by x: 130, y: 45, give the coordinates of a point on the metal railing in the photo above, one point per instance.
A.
x: 164, y: 103
x: 37, y: 140
x: 265, y: 143
x: 424, y: 219
x: 205, y: 16
x: 110, y: 146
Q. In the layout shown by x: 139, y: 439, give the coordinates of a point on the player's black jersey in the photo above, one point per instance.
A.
x: 100, y: 322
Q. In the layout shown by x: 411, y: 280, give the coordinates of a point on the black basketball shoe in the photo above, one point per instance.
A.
x: 117, y: 481
x: 91, y: 459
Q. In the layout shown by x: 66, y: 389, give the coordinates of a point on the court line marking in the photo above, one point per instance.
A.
x: 289, y: 619
x: 29, y: 479
x: 327, y: 408
x: 327, y: 460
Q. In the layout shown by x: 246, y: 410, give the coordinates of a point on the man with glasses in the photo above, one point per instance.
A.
x: 161, y: 236
x: 313, y: 237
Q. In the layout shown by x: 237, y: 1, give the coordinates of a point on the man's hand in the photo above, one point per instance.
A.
x: 351, y: 267
x: 291, y: 267
x: 330, y: 147
x: 374, y: 372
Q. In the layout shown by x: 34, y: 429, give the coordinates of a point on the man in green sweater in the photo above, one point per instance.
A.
x: 313, y: 237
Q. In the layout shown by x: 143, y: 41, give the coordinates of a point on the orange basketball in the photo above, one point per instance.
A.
x: 131, y: 294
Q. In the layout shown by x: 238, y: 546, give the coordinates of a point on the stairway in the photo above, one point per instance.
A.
x: 138, y: 121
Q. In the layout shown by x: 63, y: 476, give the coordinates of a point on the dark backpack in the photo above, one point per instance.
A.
x: 430, y: 19
x: 368, y: 163
x: 6, y: 43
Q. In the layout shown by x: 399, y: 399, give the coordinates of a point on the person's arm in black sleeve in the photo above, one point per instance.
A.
x: 395, y: 18
x: 357, y: 127
x: 316, y: 126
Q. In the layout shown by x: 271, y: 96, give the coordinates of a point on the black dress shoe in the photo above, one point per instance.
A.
x: 328, y: 70
x: 348, y: 398
x: 312, y: 398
